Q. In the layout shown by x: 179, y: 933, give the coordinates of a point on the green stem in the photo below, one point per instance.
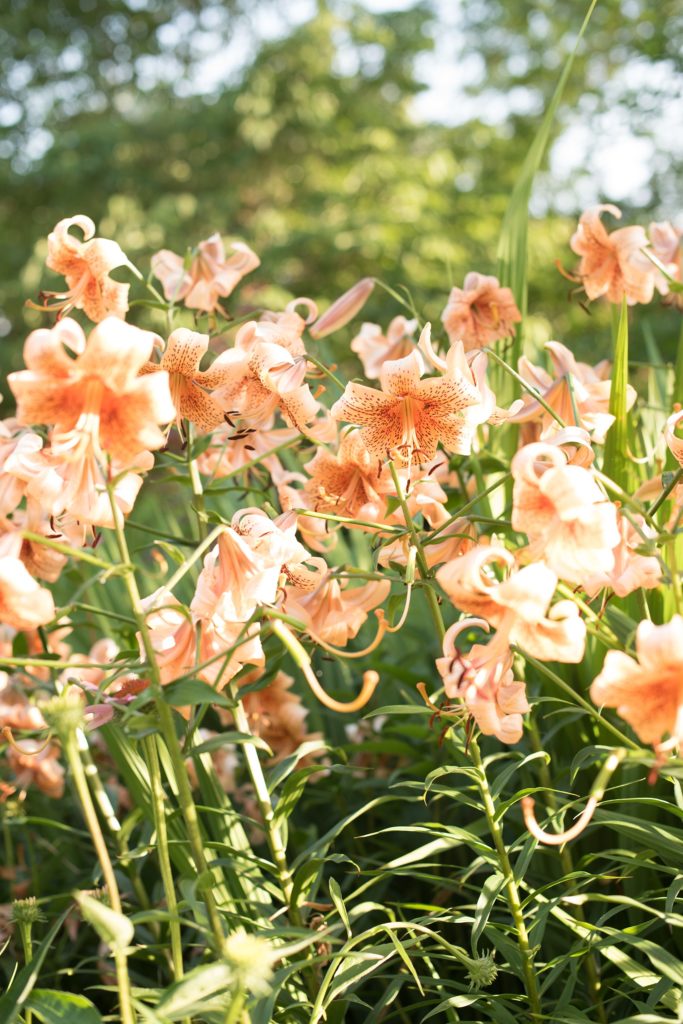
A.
x: 434, y: 535
x: 525, y: 384
x: 273, y: 834
x: 658, y: 502
x: 168, y: 731
x: 90, y: 814
x: 159, y: 808
x: 576, y: 698
x: 234, y: 1011
x: 567, y: 862
x: 197, y: 489
x: 27, y: 947
x: 511, y: 890
x: 423, y: 568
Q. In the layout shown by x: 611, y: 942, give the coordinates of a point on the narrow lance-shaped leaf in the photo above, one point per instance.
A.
x: 616, y: 462
x: 512, y: 246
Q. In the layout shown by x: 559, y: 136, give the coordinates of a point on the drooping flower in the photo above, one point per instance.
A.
x: 224, y: 646
x: 409, y: 417
x: 189, y: 385
x: 16, y: 711
x: 261, y: 377
x: 483, y: 679
x: 631, y: 570
x: 35, y: 763
x: 577, y: 392
x: 332, y: 611
x: 674, y: 442
x: 210, y: 276
x: 96, y: 403
x: 518, y: 607
x: 568, y: 519
x: 647, y: 692
x: 25, y: 469
x: 665, y: 243
x: 612, y: 264
x: 242, y: 572
x: 347, y: 482
x: 286, y: 329
x: 24, y: 604
x: 278, y: 715
x: 86, y: 265
x: 41, y: 561
x: 480, y: 312
x: 374, y: 348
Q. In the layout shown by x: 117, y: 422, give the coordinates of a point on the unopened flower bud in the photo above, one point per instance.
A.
x: 344, y: 309
x: 26, y: 911
x: 64, y: 713
x: 482, y: 972
x: 251, y: 959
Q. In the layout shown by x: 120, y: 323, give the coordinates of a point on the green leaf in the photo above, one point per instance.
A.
x: 616, y: 463
x: 293, y: 789
x: 15, y: 998
x: 191, y: 692
x: 54, y: 1007
x: 228, y: 738
x: 338, y: 900
x: 192, y: 994
x: 512, y: 246
x: 490, y: 891
x: 113, y: 928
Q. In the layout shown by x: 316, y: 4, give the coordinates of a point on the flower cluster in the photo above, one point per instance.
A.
x: 395, y: 462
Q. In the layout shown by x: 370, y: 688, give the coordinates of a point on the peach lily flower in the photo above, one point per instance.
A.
x: 243, y: 571
x: 347, y: 482
x: 631, y: 570
x: 86, y: 265
x: 210, y: 276
x: 42, y: 562
x: 332, y: 611
x: 188, y: 384
x: 408, y: 418
x: 96, y: 402
x: 286, y: 329
x: 483, y: 679
x: 227, y: 454
x: 34, y: 763
x: 278, y: 716
x: 374, y: 348
x: 15, y: 709
x: 25, y: 469
x: 173, y: 634
x: 568, y: 519
x: 675, y: 443
x: 665, y: 242
x: 613, y: 264
x: 647, y: 692
x: 480, y: 312
x: 578, y: 393
x: 24, y: 604
x: 518, y: 606
x: 260, y: 377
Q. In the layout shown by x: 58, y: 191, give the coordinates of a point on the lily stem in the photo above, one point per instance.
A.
x: 511, y: 890
x: 90, y: 814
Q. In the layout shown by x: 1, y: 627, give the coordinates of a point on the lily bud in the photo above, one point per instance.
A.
x: 344, y: 309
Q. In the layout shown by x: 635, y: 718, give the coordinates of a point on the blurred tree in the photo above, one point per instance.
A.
x: 311, y: 154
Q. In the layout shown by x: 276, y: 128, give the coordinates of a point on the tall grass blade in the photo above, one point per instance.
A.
x: 616, y: 462
x: 512, y: 246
